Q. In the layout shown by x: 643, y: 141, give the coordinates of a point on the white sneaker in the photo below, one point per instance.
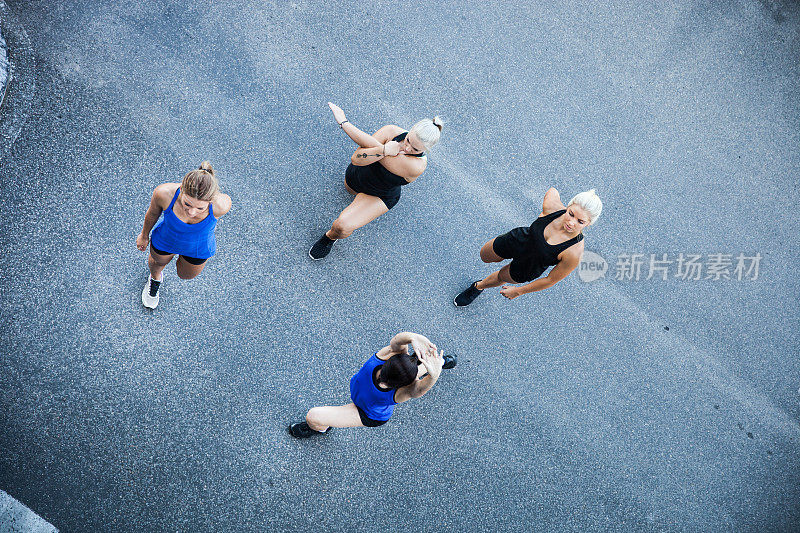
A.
x: 148, y: 300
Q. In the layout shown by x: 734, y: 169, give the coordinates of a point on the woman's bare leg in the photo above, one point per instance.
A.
x: 495, y: 279
x: 361, y: 211
x: 186, y: 270
x: 157, y: 263
x: 488, y: 254
x: 345, y: 416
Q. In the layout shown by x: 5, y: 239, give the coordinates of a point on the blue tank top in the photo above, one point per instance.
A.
x: 378, y: 404
x: 173, y: 235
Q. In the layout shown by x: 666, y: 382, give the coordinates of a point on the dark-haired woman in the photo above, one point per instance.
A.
x: 383, y: 163
x: 391, y: 376
x: 191, y: 210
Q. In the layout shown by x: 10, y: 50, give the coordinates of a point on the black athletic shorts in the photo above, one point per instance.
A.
x: 359, y: 182
x: 190, y: 260
x: 514, y: 245
x: 367, y: 421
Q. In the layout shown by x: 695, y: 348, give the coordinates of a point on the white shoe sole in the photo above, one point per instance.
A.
x: 147, y: 300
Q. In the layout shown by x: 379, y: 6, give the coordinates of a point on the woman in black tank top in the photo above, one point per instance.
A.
x: 554, y: 239
x: 383, y: 163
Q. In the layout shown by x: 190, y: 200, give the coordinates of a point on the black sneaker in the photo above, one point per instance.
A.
x: 302, y: 431
x: 467, y: 296
x: 321, y: 248
x: 449, y: 362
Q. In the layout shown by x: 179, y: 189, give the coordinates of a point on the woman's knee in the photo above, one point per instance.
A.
x: 504, y: 275
x: 315, y: 417
x: 160, y: 260
x: 342, y: 228
x: 488, y: 255
x: 187, y: 270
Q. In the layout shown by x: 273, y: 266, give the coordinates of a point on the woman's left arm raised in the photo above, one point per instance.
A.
x: 364, y: 140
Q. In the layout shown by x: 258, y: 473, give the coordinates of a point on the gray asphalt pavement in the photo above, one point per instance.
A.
x: 616, y: 405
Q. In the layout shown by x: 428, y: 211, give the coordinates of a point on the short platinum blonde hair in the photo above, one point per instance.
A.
x: 589, y: 202
x: 428, y: 131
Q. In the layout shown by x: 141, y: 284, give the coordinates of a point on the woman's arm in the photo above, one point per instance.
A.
x: 567, y: 264
x: 405, y: 166
x: 385, y: 148
x: 433, y: 362
x: 380, y: 147
x: 162, y: 192
x: 400, y: 342
x: 222, y: 204
x: 364, y: 140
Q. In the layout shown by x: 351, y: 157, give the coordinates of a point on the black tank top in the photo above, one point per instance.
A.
x: 541, y: 253
x: 379, y: 176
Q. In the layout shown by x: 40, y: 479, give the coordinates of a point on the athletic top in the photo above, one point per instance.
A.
x: 175, y: 236
x: 378, y: 404
x: 377, y: 177
x: 539, y: 252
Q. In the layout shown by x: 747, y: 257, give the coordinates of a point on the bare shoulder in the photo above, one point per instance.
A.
x: 387, y: 133
x: 162, y: 195
x: 552, y: 202
x: 573, y: 254
x: 406, y: 166
x: 222, y: 204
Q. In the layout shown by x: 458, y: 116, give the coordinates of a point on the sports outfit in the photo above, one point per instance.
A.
x: 530, y: 252
x: 194, y: 242
x: 374, y: 179
x: 375, y: 404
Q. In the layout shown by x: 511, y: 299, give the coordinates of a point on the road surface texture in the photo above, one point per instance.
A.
x: 620, y: 404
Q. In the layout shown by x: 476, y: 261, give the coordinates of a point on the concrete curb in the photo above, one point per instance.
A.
x: 16, y: 518
x: 3, y: 65
x: 16, y: 99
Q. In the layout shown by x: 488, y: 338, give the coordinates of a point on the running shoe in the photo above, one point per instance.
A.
x: 321, y: 248
x: 150, y: 293
x: 449, y: 362
x: 467, y: 296
x: 301, y: 430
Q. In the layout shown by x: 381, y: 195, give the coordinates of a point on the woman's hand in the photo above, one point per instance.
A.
x: 510, y: 292
x: 141, y: 242
x: 338, y: 114
x: 432, y: 361
x: 392, y: 148
x: 421, y: 345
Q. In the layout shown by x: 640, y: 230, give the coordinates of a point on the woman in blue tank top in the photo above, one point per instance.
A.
x: 391, y: 376
x: 554, y: 239
x: 378, y: 169
x: 191, y: 210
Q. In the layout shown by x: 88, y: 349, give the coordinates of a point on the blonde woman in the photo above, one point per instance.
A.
x: 191, y: 209
x: 554, y: 239
x: 383, y: 163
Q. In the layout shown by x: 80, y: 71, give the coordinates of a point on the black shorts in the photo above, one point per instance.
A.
x: 190, y: 260
x: 514, y: 245
x: 355, y: 180
x: 367, y: 421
